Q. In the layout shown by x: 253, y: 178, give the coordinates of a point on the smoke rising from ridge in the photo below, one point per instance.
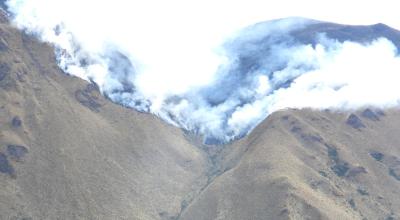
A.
x: 208, y: 80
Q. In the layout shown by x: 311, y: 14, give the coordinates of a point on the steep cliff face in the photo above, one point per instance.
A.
x: 66, y: 152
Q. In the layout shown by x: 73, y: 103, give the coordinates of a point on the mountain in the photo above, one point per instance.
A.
x: 356, y: 33
x: 66, y: 152
x: 304, y: 164
x: 259, y: 48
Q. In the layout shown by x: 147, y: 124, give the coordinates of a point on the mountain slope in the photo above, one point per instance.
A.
x: 66, y: 152
x: 303, y: 164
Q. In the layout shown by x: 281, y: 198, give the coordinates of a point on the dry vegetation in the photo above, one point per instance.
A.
x: 66, y: 152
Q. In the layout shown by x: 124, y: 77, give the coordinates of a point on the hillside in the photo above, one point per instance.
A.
x: 304, y: 164
x: 66, y: 152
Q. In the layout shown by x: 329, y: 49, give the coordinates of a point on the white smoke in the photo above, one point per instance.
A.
x: 201, y: 77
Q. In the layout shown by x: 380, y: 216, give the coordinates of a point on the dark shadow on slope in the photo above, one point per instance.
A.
x: 355, y: 122
x: 5, y: 166
x: 16, y: 152
x: 369, y: 114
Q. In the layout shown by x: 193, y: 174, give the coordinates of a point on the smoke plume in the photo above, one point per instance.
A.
x: 217, y: 81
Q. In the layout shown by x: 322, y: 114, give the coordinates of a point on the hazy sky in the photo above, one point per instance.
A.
x: 233, y: 13
x: 226, y: 14
x: 342, y: 11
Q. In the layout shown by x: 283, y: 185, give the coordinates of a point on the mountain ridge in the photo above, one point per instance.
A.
x: 67, y: 152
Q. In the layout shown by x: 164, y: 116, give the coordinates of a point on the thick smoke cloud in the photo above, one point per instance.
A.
x: 220, y: 87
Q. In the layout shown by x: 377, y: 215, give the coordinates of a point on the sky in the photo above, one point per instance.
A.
x: 170, y: 58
